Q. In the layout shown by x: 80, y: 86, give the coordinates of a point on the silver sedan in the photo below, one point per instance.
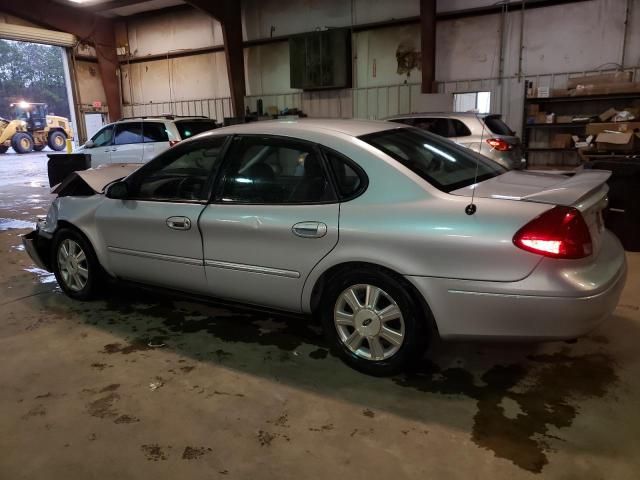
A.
x: 387, y: 233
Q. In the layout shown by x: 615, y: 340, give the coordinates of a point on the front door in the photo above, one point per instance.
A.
x: 275, y: 217
x: 153, y: 236
x: 100, y: 149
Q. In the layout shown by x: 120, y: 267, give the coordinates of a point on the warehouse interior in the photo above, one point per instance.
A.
x: 142, y: 384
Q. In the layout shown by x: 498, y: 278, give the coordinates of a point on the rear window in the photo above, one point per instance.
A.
x: 189, y: 128
x: 440, y: 162
x: 497, y: 126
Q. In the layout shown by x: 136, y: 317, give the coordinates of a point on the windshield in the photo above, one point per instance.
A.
x: 189, y: 128
x: 442, y: 163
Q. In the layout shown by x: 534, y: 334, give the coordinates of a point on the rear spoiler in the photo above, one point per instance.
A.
x: 574, y: 189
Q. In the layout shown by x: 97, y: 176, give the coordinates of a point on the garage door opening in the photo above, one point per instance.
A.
x: 34, y: 89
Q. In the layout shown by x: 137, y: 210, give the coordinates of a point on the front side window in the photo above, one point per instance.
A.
x: 271, y: 171
x: 103, y: 138
x: 180, y: 174
x: 154, y: 132
x: 443, y: 164
x: 127, y: 133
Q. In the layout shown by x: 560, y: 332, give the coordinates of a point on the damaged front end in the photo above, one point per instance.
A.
x: 86, y: 183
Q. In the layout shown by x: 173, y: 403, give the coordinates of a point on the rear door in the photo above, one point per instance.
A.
x: 128, y: 143
x: 155, y: 139
x: 275, y: 217
x: 460, y: 132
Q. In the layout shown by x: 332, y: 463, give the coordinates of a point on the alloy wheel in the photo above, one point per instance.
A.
x: 73, y: 265
x: 369, y: 322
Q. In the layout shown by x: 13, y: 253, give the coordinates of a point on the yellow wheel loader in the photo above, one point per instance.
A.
x: 33, y: 129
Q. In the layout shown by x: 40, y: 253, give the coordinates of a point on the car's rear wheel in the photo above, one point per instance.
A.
x: 373, y: 322
x: 75, y: 265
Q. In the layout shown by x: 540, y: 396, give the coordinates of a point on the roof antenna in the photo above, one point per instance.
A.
x: 471, y: 208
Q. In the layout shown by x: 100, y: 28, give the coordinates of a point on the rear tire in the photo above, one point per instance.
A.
x: 3, y: 149
x: 373, y: 322
x: 75, y: 265
x: 22, y: 142
x: 57, y: 140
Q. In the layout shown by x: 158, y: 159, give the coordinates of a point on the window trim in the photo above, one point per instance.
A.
x: 221, y: 180
x: 117, y: 125
x: 364, y: 178
x: 132, y: 180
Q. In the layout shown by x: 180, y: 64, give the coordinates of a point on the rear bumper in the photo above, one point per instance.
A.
x: 39, y: 249
x: 557, y: 301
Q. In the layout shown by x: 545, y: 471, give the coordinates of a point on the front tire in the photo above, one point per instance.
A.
x: 75, y: 265
x: 57, y: 140
x: 22, y: 142
x: 373, y: 322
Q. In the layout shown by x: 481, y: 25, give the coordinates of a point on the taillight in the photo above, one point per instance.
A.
x: 173, y: 142
x: 499, y: 144
x: 559, y: 233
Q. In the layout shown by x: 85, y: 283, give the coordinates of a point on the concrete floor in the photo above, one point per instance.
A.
x: 139, y: 385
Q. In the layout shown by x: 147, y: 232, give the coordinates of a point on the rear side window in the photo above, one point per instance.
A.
x: 497, y: 126
x: 349, y: 180
x: 267, y: 171
x: 460, y: 129
x: 189, y: 128
x: 129, y: 132
x: 155, y: 132
x: 438, y: 126
x: 447, y: 167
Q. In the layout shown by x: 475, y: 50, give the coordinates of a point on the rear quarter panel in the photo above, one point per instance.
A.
x: 403, y: 223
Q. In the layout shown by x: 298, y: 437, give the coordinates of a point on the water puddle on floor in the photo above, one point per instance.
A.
x: 11, y: 223
x: 43, y: 275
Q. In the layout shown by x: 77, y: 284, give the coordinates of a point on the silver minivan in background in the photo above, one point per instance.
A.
x: 485, y: 133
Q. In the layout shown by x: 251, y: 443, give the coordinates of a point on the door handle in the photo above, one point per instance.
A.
x: 179, y: 223
x: 309, y: 229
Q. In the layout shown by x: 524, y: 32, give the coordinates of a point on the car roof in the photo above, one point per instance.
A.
x: 161, y: 118
x: 442, y: 114
x: 288, y: 127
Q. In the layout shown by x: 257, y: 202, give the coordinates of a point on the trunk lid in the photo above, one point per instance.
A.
x: 586, y: 191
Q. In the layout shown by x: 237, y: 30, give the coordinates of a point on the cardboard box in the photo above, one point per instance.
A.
x: 564, y: 118
x: 561, y: 140
x: 544, y: 92
x: 585, y: 90
x: 596, y: 128
x: 603, y: 78
x: 533, y: 109
x: 607, y: 114
x: 617, y: 142
x: 559, y: 92
x: 541, y: 117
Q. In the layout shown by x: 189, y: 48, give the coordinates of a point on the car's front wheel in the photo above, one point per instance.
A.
x: 373, y: 322
x: 75, y: 265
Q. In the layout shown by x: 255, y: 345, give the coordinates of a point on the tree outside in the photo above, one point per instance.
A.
x: 34, y: 73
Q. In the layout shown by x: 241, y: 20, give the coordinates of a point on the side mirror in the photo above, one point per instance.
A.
x: 89, y: 144
x: 117, y: 190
